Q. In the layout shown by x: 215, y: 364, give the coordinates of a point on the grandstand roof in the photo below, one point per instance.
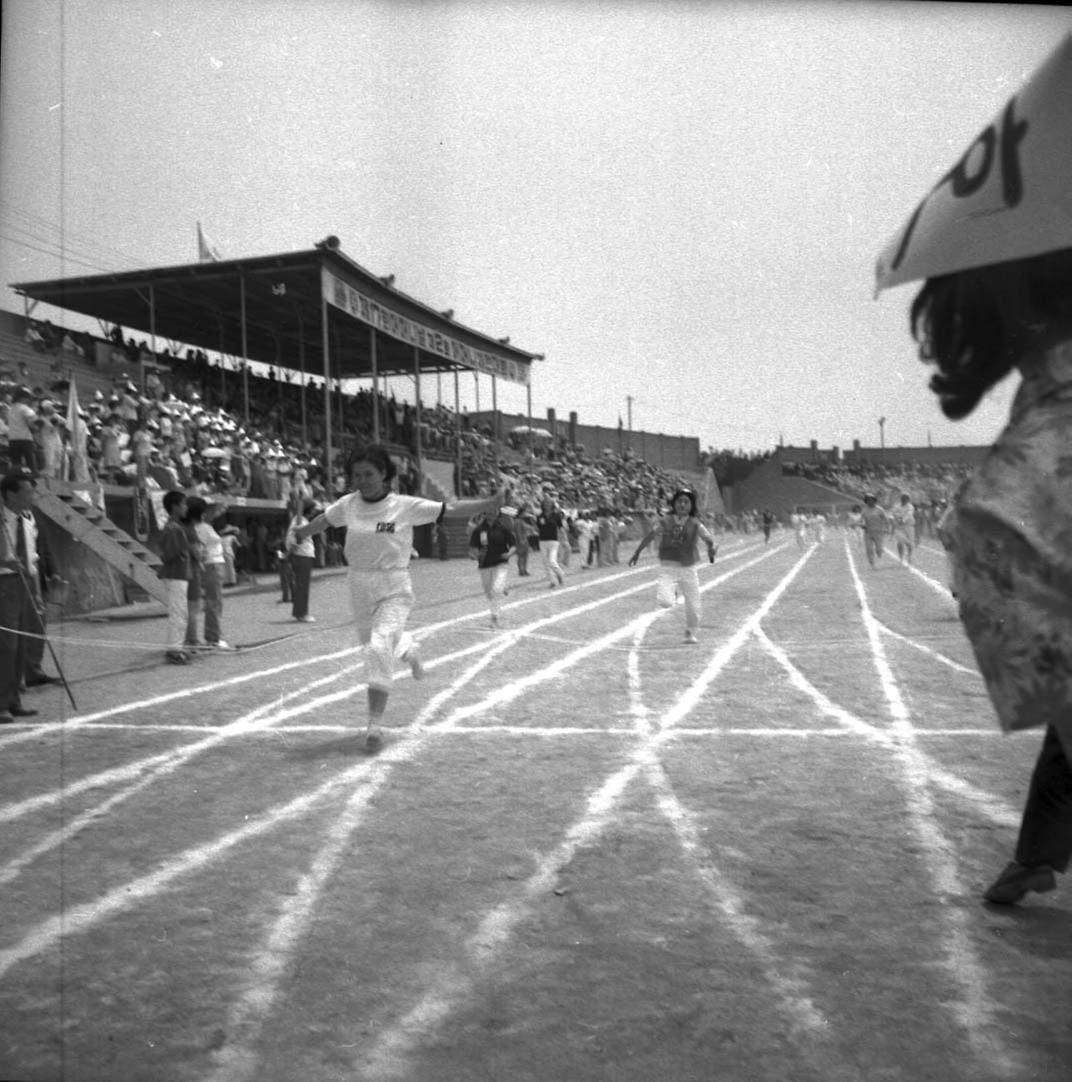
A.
x: 201, y: 304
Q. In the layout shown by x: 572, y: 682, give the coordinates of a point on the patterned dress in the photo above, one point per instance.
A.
x: 1010, y: 540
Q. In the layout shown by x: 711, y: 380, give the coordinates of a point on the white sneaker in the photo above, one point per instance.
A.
x: 305, y: 619
x: 221, y: 645
x: 416, y: 666
x: 690, y: 636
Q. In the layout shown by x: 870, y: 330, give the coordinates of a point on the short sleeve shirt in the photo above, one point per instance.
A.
x: 379, y: 535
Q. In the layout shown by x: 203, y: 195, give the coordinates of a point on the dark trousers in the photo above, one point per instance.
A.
x: 14, y: 613
x: 303, y: 574
x: 22, y: 453
x: 1046, y: 827
x: 34, y: 648
x: 286, y: 577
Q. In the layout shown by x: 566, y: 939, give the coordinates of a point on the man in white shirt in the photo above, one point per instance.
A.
x: 21, y: 421
x: 302, y: 555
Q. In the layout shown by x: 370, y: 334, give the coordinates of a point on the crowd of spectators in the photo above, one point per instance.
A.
x: 924, y: 482
x: 191, y: 422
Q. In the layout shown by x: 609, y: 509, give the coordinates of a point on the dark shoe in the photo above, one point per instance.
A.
x: 177, y: 657
x: 39, y: 679
x: 1017, y: 880
x: 5, y: 718
x: 22, y: 712
x: 373, y: 741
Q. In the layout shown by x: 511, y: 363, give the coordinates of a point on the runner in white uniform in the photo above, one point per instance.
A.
x: 379, y: 537
x: 904, y: 528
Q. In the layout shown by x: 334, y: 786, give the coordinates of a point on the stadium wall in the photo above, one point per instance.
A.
x: 768, y: 488
x: 673, y: 453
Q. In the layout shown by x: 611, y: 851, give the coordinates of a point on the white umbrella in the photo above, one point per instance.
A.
x: 542, y: 433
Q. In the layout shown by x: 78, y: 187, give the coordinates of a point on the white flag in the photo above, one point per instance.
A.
x: 207, y: 252
x: 78, y: 467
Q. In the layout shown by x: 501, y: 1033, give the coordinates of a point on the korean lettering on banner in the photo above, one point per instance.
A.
x: 995, y: 146
x: 416, y: 334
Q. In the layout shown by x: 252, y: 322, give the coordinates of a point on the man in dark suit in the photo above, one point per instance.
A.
x: 42, y: 575
x: 16, y: 599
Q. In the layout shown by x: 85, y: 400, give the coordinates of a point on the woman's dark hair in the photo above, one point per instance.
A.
x: 692, y: 499
x: 976, y: 324
x: 195, y: 509
x: 378, y: 456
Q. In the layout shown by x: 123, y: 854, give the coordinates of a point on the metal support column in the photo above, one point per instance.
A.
x: 375, y: 387
x: 417, y: 443
x: 458, y: 435
x: 329, y: 454
x: 245, y: 351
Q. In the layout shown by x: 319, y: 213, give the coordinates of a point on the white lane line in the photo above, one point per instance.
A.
x: 941, y: 588
x: 172, y: 696
x: 164, y: 762
x: 39, y: 729
x: 788, y: 979
x: 238, y: 1059
x: 79, y: 919
x: 387, y: 1059
x: 924, y: 649
x: 261, y: 717
x: 507, y: 693
x: 282, y: 731
x: 984, y: 802
x: 974, y: 1008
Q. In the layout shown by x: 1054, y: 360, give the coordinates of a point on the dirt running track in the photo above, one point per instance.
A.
x: 587, y: 851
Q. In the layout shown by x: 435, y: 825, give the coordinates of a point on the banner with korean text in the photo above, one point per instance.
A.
x: 378, y: 315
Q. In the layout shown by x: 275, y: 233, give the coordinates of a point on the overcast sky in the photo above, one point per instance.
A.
x: 678, y: 203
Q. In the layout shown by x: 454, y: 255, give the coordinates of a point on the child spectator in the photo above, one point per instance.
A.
x: 175, y: 571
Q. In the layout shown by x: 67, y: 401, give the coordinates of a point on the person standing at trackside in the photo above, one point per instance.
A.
x: 549, y: 523
x: 302, y: 554
x: 213, y: 567
x: 16, y: 602
x: 768, y: 524
x: 229, y: 543
x: 854, y: 520
x: 997, y: 296
x: 525, y: 532
x: 175, y: 554
x: 196, y: 583
x: 494, y: 542
x: 40, y: 574
x: 678, y: 534
x: 876, y: 525
x: 379, y: 538
x: 903, y: 517
x: 22, y: 423
x: 1007, y: 536
x: 798, y: 520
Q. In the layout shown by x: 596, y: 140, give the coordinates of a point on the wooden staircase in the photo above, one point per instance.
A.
x: 89, y: 525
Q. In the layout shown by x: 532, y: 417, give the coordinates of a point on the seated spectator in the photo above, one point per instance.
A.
x: 37, y: 339
x: 70, y: 346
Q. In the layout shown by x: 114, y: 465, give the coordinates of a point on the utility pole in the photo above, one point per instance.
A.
x: 882, y: 432
x: 629, y: 417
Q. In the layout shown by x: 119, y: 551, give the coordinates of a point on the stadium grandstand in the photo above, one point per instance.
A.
x: 249, y: 382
